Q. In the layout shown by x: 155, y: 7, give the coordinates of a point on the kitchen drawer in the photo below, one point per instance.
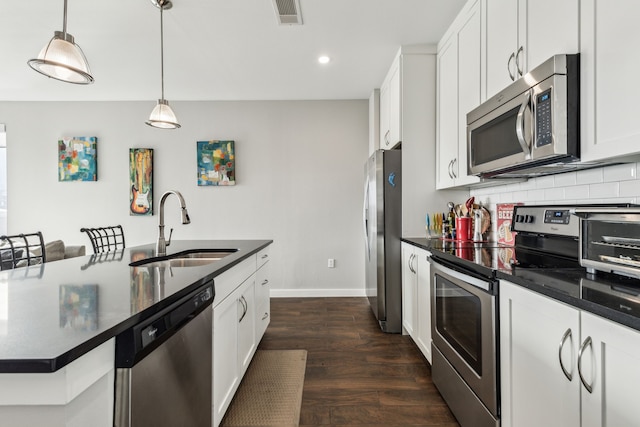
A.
x: 263, y: 256
x: 263, y: 287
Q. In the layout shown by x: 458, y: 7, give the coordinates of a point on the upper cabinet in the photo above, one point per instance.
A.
x: 374, y: 121
x: 390, y: 108
x: 522, y: 34
x: 458, y: 92
x: 608, y: 70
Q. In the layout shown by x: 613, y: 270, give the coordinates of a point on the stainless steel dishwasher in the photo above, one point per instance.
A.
x: 163, y: 366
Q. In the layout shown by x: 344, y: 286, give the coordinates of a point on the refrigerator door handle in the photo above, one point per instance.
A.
x: 365, y: 218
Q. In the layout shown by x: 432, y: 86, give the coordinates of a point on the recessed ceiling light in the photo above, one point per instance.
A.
x: 324, y: 59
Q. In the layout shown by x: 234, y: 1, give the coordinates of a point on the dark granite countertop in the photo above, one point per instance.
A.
x: 611, y: 296
x: 56, y: 312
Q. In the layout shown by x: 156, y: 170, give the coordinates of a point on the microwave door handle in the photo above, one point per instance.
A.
x: 520, y: 131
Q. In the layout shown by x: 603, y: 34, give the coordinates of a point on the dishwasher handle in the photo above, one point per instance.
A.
x: 135, y: 343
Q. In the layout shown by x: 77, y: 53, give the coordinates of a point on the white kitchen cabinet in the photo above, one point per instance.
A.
x: 424, y: 302
x: 390, y: 108
x: 226, y: 372
x: 374, y: 121
x: 459, y: 78
x: 608, y: 69
x: 416, y: 296
x: 539, y: 336
x: 246, y: 323
x: 409, y: 290
x: 263, y: 294
x: 242, y: 298
x: 611, y: 365
x: 534, y: 390
x: 522, y: 34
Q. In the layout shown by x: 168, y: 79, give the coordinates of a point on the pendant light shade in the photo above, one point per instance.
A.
x: 162, y: 116
x: 62, y: 59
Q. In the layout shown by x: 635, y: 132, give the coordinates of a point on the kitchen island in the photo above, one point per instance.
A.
x: 58, y: 323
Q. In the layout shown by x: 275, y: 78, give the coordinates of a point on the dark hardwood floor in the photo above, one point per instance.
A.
x: 356, y: 375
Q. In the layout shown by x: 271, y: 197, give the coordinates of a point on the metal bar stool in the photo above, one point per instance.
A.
x: 105, y: 239
x: 21, y: 250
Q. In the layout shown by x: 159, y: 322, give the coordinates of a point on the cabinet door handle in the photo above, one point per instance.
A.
x: 265, y: 316
x: 453, y: 163
x: 386, y: 137
x: 449, y: 169
x: 265, y: 282
x: 265, y: 256
x: 585, y: 344
x: 566, y: 335
x: 245, y: 307
x: 511, y: 58
x: 518, y: 69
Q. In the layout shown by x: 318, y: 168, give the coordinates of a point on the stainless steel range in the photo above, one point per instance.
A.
x: 465, y: 324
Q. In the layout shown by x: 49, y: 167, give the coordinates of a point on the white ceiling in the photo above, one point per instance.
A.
x: 216, y: 49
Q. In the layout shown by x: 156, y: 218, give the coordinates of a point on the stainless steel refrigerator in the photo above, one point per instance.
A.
x: 382, y: 218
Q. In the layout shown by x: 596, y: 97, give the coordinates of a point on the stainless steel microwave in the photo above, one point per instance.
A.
x: 532, y: 127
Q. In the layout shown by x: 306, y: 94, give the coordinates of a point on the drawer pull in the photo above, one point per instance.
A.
x: 265, y: 256
x: 265, y: 316
x: 265, y: 282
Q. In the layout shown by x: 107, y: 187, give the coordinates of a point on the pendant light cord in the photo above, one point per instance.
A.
x: 64, y: 20
x: 161, y: 48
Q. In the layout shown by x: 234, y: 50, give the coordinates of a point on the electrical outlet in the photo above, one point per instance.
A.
x: 331, y: 263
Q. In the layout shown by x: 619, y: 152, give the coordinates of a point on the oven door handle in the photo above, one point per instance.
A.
x: 463, y: 277
x: 567, y: 335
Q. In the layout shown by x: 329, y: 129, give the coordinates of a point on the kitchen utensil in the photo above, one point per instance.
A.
x: 428, y: 225
x: 469, y: 205
x: 477, y: 223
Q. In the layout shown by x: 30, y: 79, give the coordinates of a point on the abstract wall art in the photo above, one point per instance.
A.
x: 216, y: 163
x: 141, y: 181
x: 77, y: 159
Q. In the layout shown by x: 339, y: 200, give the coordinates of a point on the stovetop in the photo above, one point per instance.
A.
x: 611, y: 296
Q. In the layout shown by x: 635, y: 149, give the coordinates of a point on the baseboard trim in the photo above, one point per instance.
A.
x: 307, y: 293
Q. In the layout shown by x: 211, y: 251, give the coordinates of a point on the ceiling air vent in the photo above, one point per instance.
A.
x: 288, y: 12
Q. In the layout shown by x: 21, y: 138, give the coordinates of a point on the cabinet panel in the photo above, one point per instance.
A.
x: 612, y: 366
x: 608, y: 67
x: 548, y: 27
x: 263, y: 295
x: 447, y: 112
x: 501, y: 44
x: 535, y: 392
x: 468, y: 91
x: 409, y: 289
x: 246, y: 324
x: 390, y: 108
x: 424, y: 302
x: 225, y: 355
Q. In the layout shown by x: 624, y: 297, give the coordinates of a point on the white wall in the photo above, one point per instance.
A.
x: 299, y: 179
x: 611, y: 184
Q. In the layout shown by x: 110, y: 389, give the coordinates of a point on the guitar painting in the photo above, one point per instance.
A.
x: 141, y: 180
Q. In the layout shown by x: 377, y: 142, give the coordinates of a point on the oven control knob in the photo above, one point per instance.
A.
x: 528, y: 218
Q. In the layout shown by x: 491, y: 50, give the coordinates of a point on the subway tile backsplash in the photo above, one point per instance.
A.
x: 611, y: 184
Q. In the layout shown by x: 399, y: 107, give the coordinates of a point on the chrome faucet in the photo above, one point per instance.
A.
x: 161, y: 245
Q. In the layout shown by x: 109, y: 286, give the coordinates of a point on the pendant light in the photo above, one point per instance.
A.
x: 62, y: 59
x: 162, y: 115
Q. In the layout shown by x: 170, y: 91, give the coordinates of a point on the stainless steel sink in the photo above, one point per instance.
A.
x: 193, y: 258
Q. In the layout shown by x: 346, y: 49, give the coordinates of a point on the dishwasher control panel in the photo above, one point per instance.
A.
x: 136, y: 342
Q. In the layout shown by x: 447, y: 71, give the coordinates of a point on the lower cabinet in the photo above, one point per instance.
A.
x: 239, y: 323
x: 557, y: 362
x: 416, y: 296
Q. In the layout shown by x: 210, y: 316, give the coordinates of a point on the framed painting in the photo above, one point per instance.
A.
x: 216, y: 163
x: 141, y: 181
x: 77, y: 159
